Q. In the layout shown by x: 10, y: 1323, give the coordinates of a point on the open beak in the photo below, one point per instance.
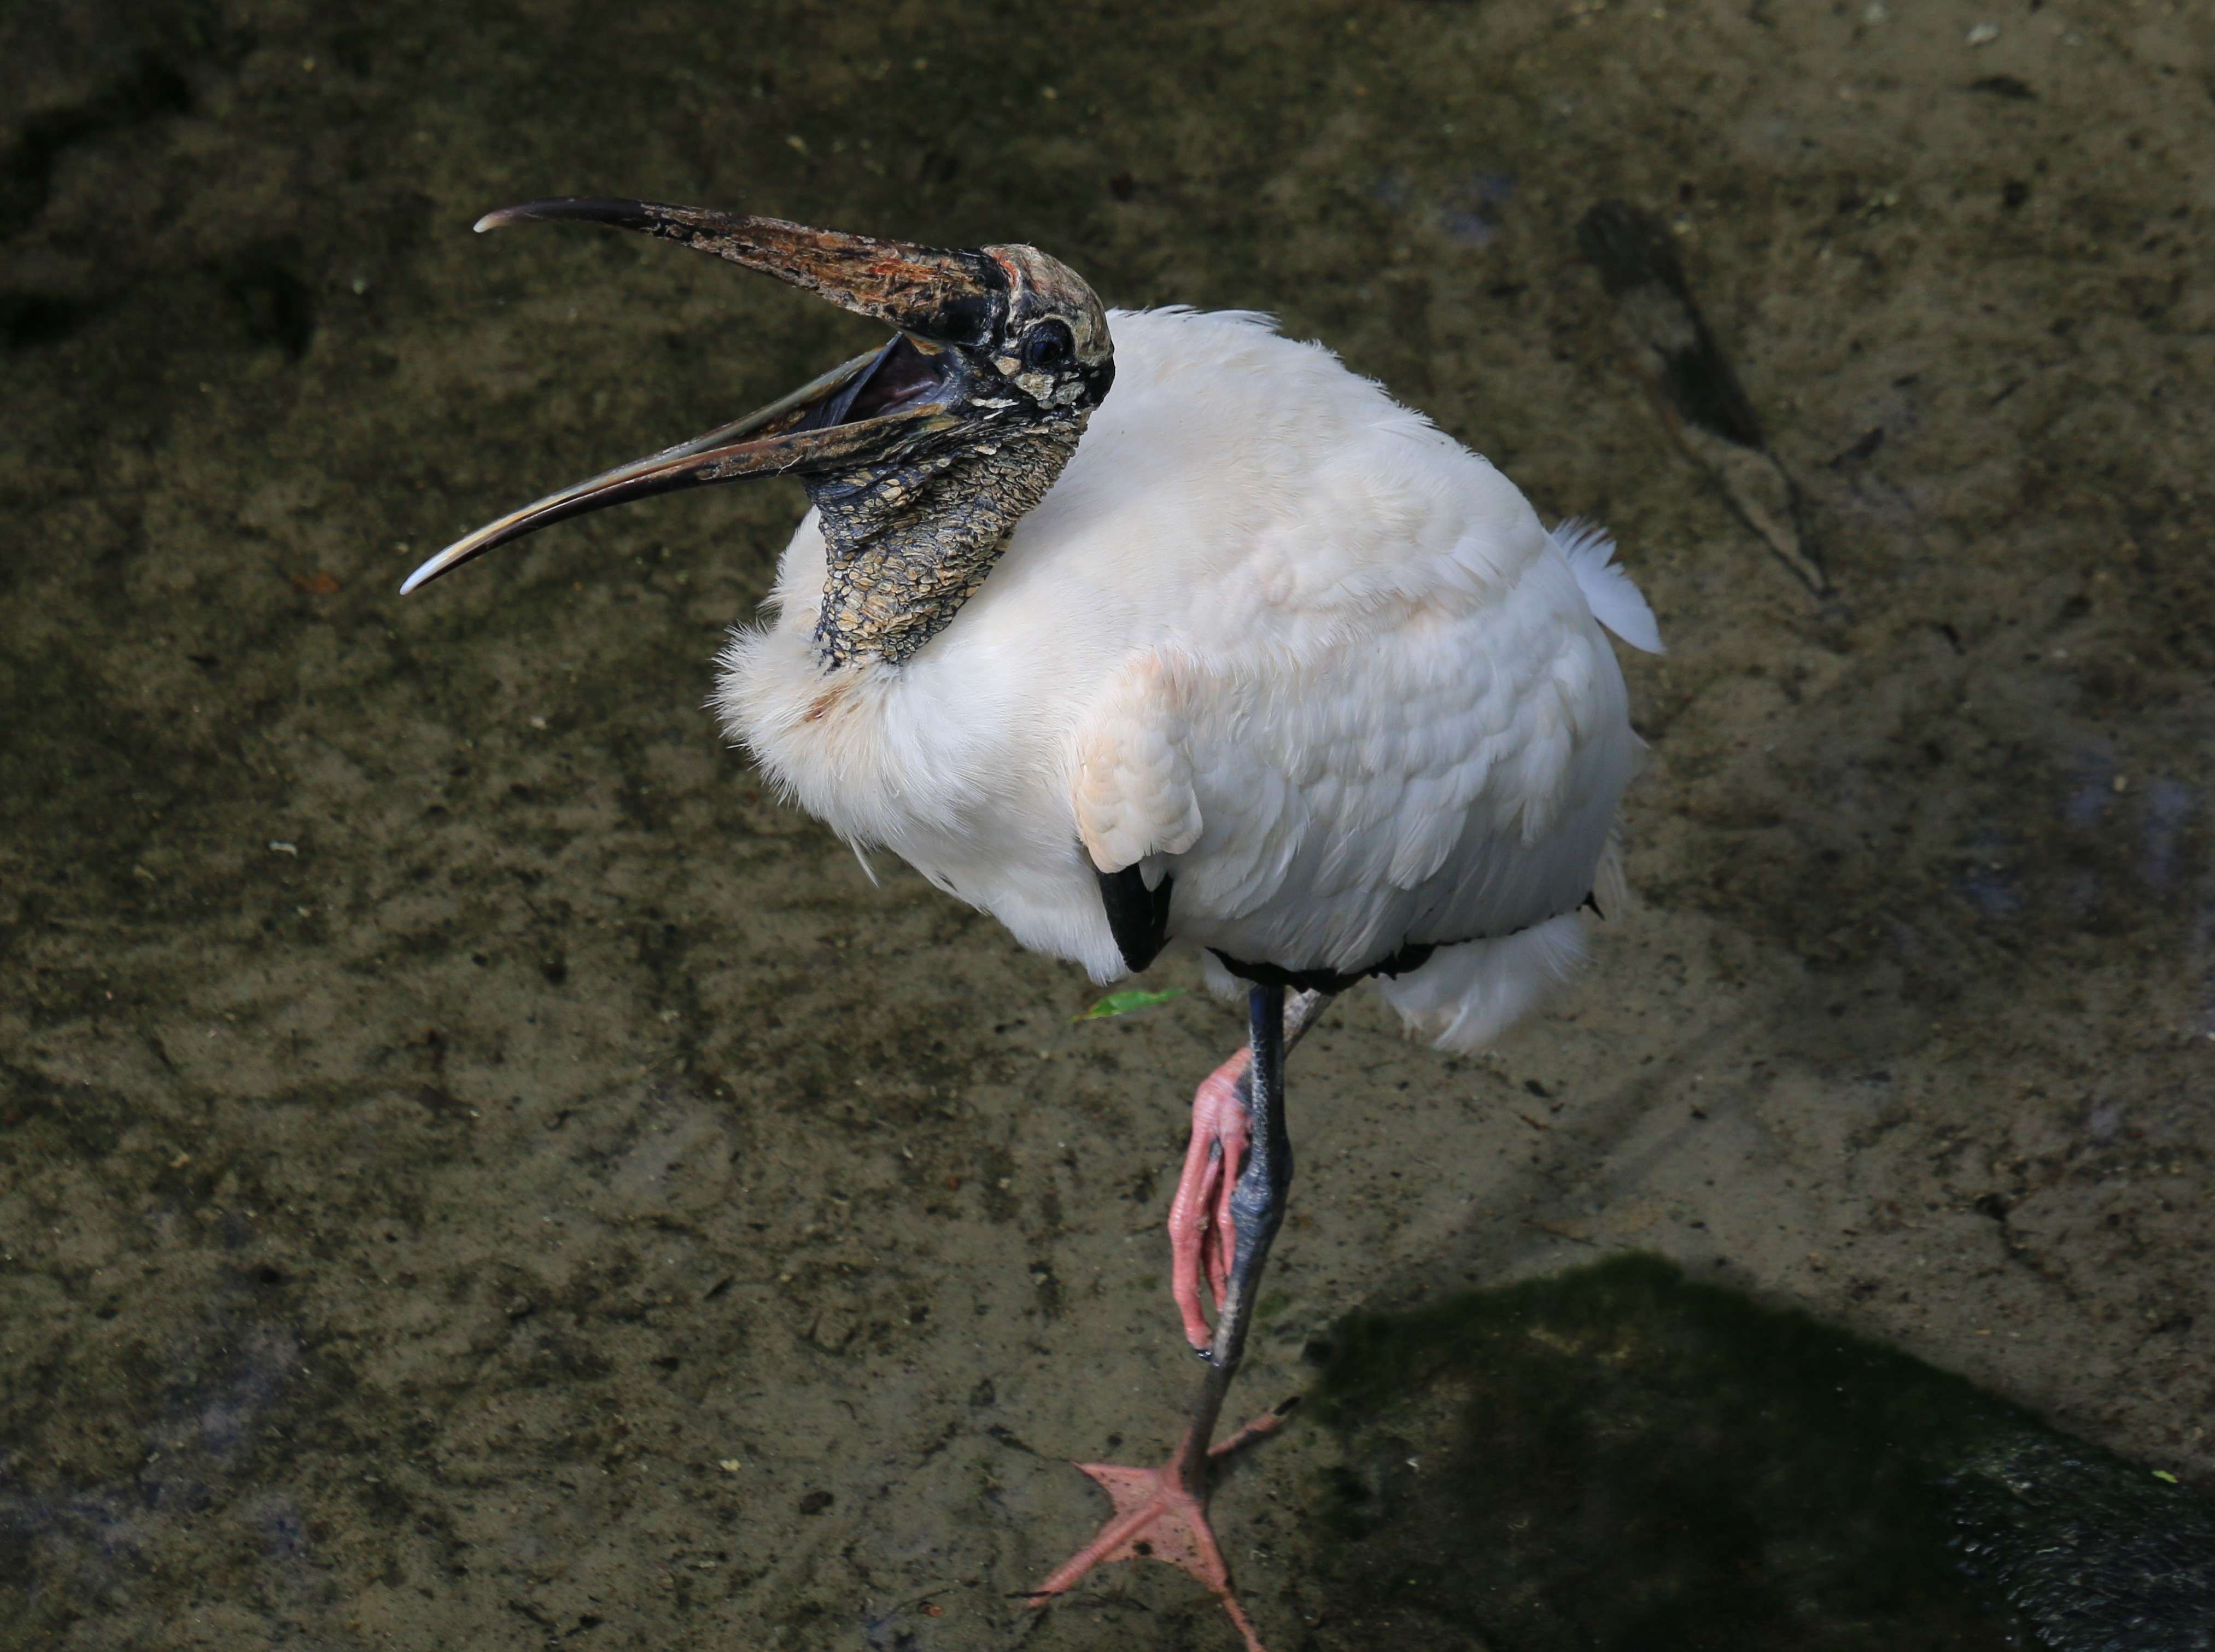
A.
x: 876, y: 409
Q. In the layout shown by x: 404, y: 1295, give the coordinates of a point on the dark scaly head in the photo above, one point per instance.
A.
x: 922, y: 455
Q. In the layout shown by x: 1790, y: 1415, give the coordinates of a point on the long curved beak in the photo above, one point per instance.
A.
x: 763, y: 443
x: 875, y: 407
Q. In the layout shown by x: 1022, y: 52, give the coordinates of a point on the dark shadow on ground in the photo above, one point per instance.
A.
x: 1618, y: 1459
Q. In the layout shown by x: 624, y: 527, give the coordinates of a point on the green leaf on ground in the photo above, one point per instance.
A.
x: 1123, y: 1004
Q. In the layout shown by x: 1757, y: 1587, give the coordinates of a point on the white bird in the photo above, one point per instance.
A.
x: 1244, y: 657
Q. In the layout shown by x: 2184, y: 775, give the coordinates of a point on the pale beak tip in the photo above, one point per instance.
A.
x: 423, y: 575
x: 499, y: 217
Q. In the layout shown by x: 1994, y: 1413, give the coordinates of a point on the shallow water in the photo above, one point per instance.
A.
x: 474, y: 1170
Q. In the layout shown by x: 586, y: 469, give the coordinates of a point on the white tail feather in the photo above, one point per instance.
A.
x: 1467, y: 995
x: 1616, y: 602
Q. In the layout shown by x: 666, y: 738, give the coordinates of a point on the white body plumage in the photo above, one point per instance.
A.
x: 1269, y: 632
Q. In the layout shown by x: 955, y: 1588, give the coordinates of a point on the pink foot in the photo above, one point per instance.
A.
x: 1158, y: 1517
x: 1201, y: 1235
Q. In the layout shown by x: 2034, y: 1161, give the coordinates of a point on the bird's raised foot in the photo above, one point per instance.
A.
x: 1202, y: 1235
x: 1159, y: 1516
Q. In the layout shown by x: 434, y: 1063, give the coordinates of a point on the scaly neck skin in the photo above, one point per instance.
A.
x: 906, y: 545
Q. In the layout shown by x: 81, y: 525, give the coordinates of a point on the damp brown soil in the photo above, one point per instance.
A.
x: 475, y: 1170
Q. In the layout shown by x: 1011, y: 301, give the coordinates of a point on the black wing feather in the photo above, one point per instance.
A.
x: 1137, y: 916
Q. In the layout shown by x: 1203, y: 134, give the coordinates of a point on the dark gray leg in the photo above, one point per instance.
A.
x: 1257, y: 1202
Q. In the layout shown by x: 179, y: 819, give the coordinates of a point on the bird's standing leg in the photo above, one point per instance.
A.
x: 1162, y: 1513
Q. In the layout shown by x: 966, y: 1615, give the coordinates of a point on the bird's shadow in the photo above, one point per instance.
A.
x: 1616, y: 1457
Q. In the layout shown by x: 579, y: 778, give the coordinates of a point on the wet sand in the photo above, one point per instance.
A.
x: 476, y: 1170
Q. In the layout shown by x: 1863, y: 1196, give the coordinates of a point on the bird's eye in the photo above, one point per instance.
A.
x: 1048, y: 344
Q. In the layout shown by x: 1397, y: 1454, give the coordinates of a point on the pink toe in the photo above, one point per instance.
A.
x: 1200, y: 1229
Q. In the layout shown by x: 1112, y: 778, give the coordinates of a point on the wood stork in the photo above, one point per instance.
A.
x: 1245, y: 658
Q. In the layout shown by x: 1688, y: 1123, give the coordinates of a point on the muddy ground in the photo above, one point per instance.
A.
x: 475, y: 1171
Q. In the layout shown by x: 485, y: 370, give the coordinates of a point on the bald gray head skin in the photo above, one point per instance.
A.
x: 921, y: 456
